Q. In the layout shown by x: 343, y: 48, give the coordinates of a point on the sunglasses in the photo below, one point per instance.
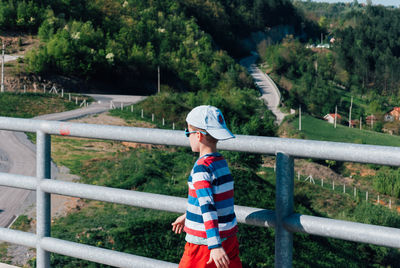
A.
x: 187, y: 132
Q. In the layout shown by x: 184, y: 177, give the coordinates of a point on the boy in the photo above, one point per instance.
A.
x: 209, y: 222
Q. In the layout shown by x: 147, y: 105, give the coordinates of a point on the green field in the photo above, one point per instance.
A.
x: 29, y: 105
x: 317, y: 129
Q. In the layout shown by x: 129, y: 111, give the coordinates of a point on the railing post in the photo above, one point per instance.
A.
x: 43, y: 205
x: 284, y: 208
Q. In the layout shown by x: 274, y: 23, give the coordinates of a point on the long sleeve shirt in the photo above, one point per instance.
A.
x: 210, y: 210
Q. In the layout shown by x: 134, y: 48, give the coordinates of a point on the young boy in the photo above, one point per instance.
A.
x: 209, y: 222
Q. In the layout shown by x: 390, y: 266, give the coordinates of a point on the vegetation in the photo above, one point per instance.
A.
x: 22, y: 223
x: 369, y: 50
x: 316, y: 129
x: 387, y: 181
x: 309, y: 79
x: 165, y: 170
x: 28, y: 105
x: 124, y: 41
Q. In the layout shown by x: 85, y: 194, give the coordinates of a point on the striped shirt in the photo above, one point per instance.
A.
x: 210, y: 211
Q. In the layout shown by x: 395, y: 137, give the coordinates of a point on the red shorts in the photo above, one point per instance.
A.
x: 197, y: 256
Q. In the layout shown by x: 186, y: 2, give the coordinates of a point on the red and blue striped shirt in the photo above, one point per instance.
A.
x: 210, y: 212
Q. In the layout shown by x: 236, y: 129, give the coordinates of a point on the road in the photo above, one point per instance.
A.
x: 18, y: 155
x: 268, y: 89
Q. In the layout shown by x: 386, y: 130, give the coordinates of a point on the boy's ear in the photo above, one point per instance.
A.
x: 199, y: 136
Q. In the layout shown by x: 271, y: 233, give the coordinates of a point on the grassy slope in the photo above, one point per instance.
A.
x: 316, y: 129
x: 29, y: 105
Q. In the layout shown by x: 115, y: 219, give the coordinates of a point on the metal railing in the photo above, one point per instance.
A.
x: 282, y: 219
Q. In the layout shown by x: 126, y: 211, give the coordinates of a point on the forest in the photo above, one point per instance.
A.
x: 363, y: 60
x: 124, y: 42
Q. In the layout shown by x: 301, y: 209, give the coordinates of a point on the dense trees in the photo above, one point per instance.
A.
x: 132, y: 38
x: 20, y: 15
x: 113, y: 40
x: 370, y: 50
x: 310, y: 75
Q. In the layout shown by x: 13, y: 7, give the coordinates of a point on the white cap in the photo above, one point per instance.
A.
x: 210, y: 119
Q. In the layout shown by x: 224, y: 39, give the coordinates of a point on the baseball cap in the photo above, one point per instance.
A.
x: 209, y: 118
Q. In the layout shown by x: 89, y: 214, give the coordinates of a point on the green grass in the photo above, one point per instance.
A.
x: 317, y: 129
x: 28, y: 105
x: 23, y: 223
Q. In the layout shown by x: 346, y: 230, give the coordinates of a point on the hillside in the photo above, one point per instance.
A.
x: 120, y: 44
x: 318, y: 129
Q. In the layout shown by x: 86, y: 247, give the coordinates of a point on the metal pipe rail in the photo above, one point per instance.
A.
x: 283, y: 219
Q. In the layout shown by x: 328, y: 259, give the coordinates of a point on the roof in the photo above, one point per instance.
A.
x: 333, y: 116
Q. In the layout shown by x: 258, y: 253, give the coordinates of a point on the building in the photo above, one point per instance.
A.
x: 395, y: 113
x: 331, y: 118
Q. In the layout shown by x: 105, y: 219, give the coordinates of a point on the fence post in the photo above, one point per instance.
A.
x: 43, y: 171
x: 284, y: 208
x: 344, y: 188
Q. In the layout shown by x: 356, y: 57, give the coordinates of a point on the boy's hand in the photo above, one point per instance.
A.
x: 178, y: 224
x: 220, y: 258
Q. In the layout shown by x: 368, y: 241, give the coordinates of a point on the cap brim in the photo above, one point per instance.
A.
x: 221, y: 134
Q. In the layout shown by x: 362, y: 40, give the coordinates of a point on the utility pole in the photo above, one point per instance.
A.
x: 351, y: 105
x: 360, y: 122
x: 2, y: 69
x: 299, y: 117
x: 158, y: 69
x: 335, y: 115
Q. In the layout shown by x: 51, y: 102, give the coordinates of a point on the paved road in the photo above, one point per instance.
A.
x: 18, y: 155
x: 269, y: 91
x: 10, y: 58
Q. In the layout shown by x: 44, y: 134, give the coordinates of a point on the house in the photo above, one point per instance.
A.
x: 371, y: 119
x: 395, y: 113
x: 331, y: 118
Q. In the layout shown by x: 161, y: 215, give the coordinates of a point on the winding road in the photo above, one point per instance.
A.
x: 268, y: 89
x: 18, y: 154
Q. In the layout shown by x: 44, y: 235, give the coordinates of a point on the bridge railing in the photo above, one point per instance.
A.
x: 283, y: 219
